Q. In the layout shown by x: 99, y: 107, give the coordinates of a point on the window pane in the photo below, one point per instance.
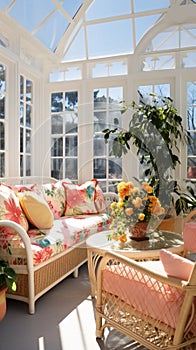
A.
x: 115, y: 119
x: 57, y: 147
x: 191, y: 148
x: 99, y: 121
x: 115, y: 168
x: 100, y: 168
x: 191, y: 118
x: 2, y: 106
x: 28, y: 116
x: 71, y: 124
x: 71, y: 146
x: 191, y: 168
x: 71, y: 100
x: 57, y: 124
x: 21, y: 140
x: 2, y: 78
x: 21, y: 165
x: 21, y: 87
x: 28, y: 141
x: 56, y: 168
x: 21, y: 113
x: 28, y: 165
x: 99, y: 146
x: 100, y: 99
x: 71, y: 168
x: 28, y: 90
x: 2, y: 164
x: 115, y: 96
x: 2, y: 136
x: 57, y: 102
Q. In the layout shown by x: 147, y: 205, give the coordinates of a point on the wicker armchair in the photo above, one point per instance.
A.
x: 140, y: 301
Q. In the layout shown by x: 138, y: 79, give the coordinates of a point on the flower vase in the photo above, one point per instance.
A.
x: 139, y: 231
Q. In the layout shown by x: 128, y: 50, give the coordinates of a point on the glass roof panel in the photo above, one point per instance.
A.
x: 141, y: 5
x: 109, y: 38
x: 77, y: 49
x: 188, y: 35
x: 29, y: 16
x: 5, y: 3
x: 142, y: 24
x: 55, y: 28
x: 173, y: 38
x: 109, y: 8
x: 71, y: 7
x: 169, y: 39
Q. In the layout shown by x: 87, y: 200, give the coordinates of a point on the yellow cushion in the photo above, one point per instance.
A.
x: 36, y: 209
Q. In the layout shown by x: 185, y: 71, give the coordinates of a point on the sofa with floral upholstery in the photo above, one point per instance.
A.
x: 43, y: 228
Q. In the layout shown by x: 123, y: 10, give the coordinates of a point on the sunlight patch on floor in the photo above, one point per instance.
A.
x: 77, y: 330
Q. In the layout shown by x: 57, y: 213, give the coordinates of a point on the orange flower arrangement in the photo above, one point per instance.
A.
x: 134, y: 205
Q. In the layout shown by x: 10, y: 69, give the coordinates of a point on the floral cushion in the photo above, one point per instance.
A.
x: 28, y: 187
x: 80, y: 199
x: 55, y: 197
x: 10, y: 208
x: 99, y: 199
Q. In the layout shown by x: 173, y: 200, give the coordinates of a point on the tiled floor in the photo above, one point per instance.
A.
x: 64, y: 320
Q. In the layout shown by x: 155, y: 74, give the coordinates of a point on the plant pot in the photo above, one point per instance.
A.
x: 2, y: 303
x: 139, y: 231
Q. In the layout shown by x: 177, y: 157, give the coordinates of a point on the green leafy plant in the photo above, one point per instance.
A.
x: 186, y: 200
x: 156, y: 129
x: 8, y: 276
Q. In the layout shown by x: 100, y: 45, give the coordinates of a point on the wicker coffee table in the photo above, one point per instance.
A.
x: 98, y: 244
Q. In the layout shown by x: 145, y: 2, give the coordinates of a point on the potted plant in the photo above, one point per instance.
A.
x: 156, y: 129
x: 186, y: 200
x: 8, y: 279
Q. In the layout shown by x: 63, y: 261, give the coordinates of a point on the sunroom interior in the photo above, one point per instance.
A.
x: 65, y: 66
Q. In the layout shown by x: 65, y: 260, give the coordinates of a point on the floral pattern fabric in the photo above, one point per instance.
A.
x: 10, y: 207
x: 83, y: 199
x: 65, y: 232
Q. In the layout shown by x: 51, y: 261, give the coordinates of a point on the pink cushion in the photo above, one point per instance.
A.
x: 83, y: 199
x: 189, y: 236
x: 175, y: 265
x: 155, y: 299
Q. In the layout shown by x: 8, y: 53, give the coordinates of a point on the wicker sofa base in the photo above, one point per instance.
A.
x: 48, y: 274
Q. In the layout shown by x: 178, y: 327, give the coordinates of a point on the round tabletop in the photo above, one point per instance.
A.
x: 138, y: 249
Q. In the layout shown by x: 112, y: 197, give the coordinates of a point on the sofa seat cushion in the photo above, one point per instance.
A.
x: 65, y: 232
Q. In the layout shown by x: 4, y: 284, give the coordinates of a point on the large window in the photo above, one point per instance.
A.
x: 26, y: 105
x: 64, y: 135
x: 191, y: 126
x: 2, y: 118
x: 107, y: 168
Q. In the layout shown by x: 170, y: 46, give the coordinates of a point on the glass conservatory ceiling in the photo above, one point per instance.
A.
x: 77, y: 30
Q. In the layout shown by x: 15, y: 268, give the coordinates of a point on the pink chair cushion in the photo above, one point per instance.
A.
x: 144, y: 293
x: 175, y: 265
x: 189, y: 236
